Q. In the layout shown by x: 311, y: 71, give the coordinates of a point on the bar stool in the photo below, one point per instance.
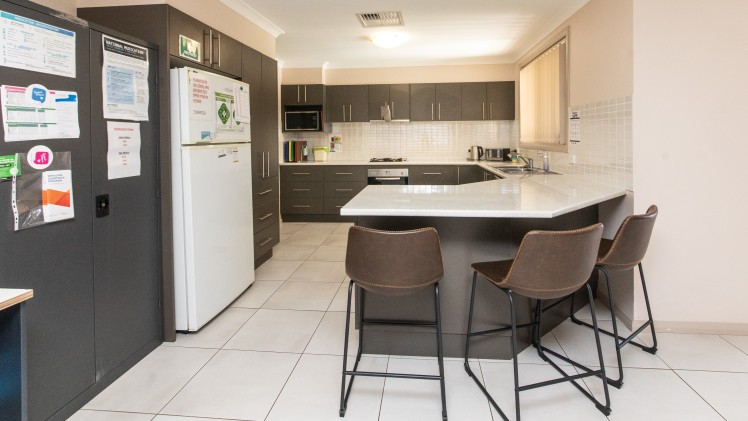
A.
x: 548, y: 265
x: 392, y: 263
x: 626, y: 251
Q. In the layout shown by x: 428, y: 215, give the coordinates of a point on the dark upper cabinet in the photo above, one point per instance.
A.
x: 488, y: 101
x: 448, y: 102
x: 217, y: 51
x: 435, y: 102
x: 474, y: 101
x: 347, y: 103
x: 500, y: 100
x: 302, y: 94
x: 396, y: 96
x: 422, y: 102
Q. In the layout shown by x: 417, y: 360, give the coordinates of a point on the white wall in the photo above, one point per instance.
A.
x: 690, y: 96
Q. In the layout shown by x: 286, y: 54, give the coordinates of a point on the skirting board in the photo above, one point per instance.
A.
x: 661, y: 326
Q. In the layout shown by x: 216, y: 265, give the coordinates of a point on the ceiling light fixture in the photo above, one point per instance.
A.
x: 388, y: 39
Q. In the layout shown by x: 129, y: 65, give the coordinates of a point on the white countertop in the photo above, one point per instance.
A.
x: 534, y: 196
x: 366, y: 162
x: 11, y: 297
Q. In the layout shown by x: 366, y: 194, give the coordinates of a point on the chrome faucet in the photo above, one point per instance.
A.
x: 528, y: 161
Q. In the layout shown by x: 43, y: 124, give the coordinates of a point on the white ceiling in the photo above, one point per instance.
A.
x: 326, y: 33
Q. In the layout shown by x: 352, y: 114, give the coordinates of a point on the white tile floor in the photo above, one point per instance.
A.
x: 275, y: 355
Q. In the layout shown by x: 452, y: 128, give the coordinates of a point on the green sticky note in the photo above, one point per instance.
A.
x: 10, y: 166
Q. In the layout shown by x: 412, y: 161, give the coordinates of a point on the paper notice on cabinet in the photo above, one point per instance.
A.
x: 124, y: 77
x: 123, y: 156
x: 28, y: 44
x: 35, y: 112
x: 57, y: 195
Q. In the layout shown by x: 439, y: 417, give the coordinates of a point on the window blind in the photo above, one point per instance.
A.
x: 542, y: 90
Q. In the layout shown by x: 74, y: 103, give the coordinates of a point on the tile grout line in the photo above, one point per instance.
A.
x: 188, y: 381
x: 698, y: 394
x: 737, y: 347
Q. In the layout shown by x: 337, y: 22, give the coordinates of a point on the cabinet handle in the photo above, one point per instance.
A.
x: 219, y: 49
x: 304, y: 93
x: 301, y: 173
x: 268, y: 166
x: 440, y: 111
x: 350, y: 113
x: 209, y: 57
x: 263, y: 165
x: 266, y: 217
x: 490, y: 110
x: 265, y: 192
x: 432, y: 173
x: 301, y: 189
x: 301, y: 206
x: 343, y: 173
x: 343, y: 112
x: 267, y: 240
x: 432, y: 111
x: 484, y: 110
x: 392, y: 114
x: 343, y: 189
x: 298, y: 93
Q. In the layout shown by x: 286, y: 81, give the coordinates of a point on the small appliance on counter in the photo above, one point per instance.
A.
x: 475, y: 153
x: 500, y: 154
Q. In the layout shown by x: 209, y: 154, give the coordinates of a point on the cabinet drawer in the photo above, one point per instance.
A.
x: 301, y: 189
x: 432, y: 174
x: 266, y: 239
x: 300, y: 205
x: 346, y: 189
x: 301, y: 173
x: 264, y: 191
x: 266, y: 215
x: 333, y: 204
x: 345, y: 173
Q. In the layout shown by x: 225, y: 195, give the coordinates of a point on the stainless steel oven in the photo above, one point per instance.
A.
x: 387, y: 175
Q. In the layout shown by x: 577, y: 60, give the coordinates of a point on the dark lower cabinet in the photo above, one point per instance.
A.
x: 432, y: 174
x: 470, y: 174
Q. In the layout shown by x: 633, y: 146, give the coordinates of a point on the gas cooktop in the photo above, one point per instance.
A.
x: 388, y: 159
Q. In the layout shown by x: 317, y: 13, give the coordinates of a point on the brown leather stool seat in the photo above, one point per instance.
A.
x: 548, y: 265
x: 626, y: 251
x: 392, y: 263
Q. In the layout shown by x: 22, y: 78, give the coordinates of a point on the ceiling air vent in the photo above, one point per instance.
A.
x: 379, y: 19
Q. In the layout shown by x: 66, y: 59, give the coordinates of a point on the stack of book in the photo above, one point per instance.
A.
x: 295, y: 151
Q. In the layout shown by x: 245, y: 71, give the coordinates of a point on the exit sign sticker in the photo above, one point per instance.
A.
x: 10, y: 166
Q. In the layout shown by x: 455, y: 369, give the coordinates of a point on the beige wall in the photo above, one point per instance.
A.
x: 433, y: 74
x: 690, y: 109
x: 213, y: 13
x: 67, y: 6
x: 600, y: 51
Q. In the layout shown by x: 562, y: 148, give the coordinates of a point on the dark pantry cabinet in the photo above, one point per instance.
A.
x: 96, y: 280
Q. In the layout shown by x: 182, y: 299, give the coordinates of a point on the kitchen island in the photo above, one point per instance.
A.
x: 476, y: 222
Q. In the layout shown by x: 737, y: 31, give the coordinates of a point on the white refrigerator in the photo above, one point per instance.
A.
x: 211, y: 194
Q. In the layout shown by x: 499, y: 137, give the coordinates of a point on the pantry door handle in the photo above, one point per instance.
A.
x: 209, y: 57
x: 263, y: 165
x: 265, y: 217
x: 219, y: 49
x: 265, y: 192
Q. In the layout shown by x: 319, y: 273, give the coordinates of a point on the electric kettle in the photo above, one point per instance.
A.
x: 476, y: 153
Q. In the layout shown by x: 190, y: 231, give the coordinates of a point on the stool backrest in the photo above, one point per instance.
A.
x: 631, y: 241
x: 553, y: 264
x: 393, y: 262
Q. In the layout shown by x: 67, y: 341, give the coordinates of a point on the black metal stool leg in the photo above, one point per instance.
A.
x: 343, y: 394
x: 470, y: 322
x: 605, y: 409
x: 515, y: 364
x: 617, y: 383
x: 651, y: 349
x: 439, y: 351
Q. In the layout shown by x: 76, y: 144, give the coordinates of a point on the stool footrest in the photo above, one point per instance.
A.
x: 395, y: 375
x: 501, y: 329
x: 421, y: 323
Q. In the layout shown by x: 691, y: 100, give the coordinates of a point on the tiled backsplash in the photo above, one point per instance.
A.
x: 605, y: 150
x: 416, y: 141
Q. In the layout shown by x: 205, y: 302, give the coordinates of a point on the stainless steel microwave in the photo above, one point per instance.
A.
x: 302, y: 121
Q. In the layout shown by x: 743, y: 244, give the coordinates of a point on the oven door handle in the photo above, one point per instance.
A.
x: 387, y: 178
